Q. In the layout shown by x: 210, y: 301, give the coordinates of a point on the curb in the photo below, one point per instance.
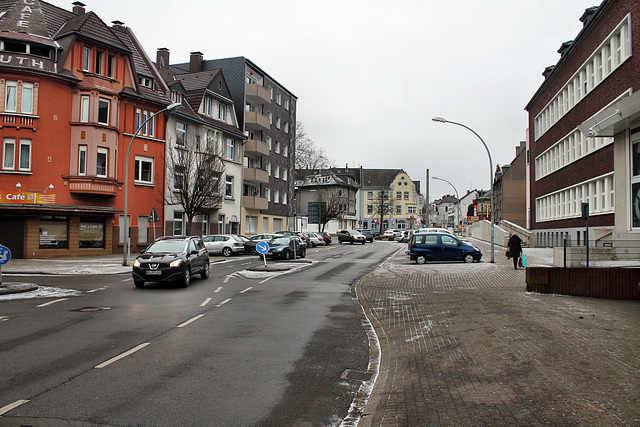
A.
x: 7, y: 288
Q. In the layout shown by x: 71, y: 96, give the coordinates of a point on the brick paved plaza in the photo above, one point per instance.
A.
x: 465, y: 344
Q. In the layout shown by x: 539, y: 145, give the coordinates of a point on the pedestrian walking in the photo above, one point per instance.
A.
x: 514, y: 249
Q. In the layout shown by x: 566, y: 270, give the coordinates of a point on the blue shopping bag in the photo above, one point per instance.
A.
x: 522, y: 261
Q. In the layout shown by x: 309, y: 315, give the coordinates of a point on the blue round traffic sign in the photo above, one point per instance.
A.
x: 262, y: 247
x: 5, y: 255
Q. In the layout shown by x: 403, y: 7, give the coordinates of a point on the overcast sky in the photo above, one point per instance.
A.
x: 369, y: 75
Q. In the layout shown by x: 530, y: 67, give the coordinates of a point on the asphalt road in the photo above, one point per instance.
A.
x: 239, y: 348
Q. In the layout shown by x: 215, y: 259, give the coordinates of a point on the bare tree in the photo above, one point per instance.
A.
x: 194, y: 180
x: 382, y: 205
x: 308, y: 154
x: 336, y: 201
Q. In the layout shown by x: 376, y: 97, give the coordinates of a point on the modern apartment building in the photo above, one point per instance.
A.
x: 266, y: 113
x: 584, y: 132
x: 74, y: 90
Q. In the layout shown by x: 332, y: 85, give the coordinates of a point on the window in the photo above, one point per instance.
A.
x: 276, y: 171
x: 103, y: 111
x: 145, y: 81
x: 286, y: 127
x: 110, y: 65
x: 399, y: 195
x: 98, y: 63
x: 406, y: 195
x: 277, y: 147
x: 269, y: 142
x: 398, y: 209
x: 144, y: 170
x: 84, y: 109
x: 230, y: 149
x: 276, y: 196
x: 82, y: 160
x: 285, y: 150
x: 269, y: 168
x: 284, y: 174
x: 181, y: 133
x: 86, y: 60
x: 412, y: 210
x: 278, y: 98
x: 177, y: 223
x: 91, y: 233
x: 228, y: 186
x: 286, y: 104
x: 53, y: 232
x: 11, y: 97
x: 27, y: 98
x: 101, y: 165
x: 369, y: 195
x: 278, y: 122
x: 143, y: 227
x: 9, y: 154
x: 147, y: 128
x: 284, y: 198
x: 25, y: 155
x: 369, y: 209
x: 178, y: 175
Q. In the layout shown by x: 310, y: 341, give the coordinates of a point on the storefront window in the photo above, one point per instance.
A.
x: 53, y: 232
x: 91, y: 233
x: 635, y: 181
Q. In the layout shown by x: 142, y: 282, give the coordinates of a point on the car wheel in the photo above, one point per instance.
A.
x: 468, y: 258
x: 364, y: 241
x: 253, y: 251
x: 289, y: 255
x: 351, y: 241
x: 421, y: 259
x: 227, y: 251
x: 206, y: 271
x: 139, y: 283
x: 303, y: 253
x: 186, y: 280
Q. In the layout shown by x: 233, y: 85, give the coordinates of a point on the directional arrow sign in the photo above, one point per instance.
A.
x: 262, y: 247
x: 5, y: 255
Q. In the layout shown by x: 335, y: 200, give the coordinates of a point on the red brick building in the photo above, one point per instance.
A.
x: 584, y: 133
x: 74, y: 91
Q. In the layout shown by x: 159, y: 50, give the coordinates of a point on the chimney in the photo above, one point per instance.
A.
x: 118, y: 24
x: 162, y: 57
x: 78, y: 8
x: 195, y: 62
x: 587, y: 15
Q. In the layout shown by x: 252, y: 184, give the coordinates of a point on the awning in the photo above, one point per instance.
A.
x: 617, y: 117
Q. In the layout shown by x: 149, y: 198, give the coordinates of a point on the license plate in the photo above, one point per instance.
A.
x: 154, y: 273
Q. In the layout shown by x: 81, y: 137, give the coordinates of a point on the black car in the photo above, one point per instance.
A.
x: 175, y: 258
x: 327, y: 237
x: 351, y: 236
x: 284, y: 247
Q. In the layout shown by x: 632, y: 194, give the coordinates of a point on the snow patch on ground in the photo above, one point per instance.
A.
x: 42, y: 292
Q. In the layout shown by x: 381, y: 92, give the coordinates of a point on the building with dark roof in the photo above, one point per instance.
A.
x: 266, y: 113
x: 584, y: 133
x: 74, y: 91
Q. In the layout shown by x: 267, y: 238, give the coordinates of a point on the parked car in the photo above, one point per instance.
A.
x: 175, y: 258
x: 425, y: 247
x: 316, y: 239
x: 250, y: 245
x: 285, y: 247
x: 225, y: 244
x: 404, y: 236
x: 327, y: 237
x: 351, y: 236
x: 302, y: 237
x: 368, y: 235
x: 391, y: 233
x: 435, y: 230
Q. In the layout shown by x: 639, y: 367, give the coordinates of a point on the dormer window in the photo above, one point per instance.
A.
x: 146, y: 82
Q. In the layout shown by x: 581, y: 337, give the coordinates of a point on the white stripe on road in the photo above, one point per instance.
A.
x: 226, y: 279
x: 125, y: 354
x: 205, y: 302
x: 246, y: 290
x: 182, y: 325
x: 11, y: 406
x: 96, y: 290
x: 51, y: 302
x: 127, y: 280
x: 217, y: 290
x: 223, y: 302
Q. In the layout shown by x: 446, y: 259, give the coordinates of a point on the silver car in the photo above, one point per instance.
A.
x: 225, y: 244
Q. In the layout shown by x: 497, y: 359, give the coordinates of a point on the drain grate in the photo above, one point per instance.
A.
x: 91, y: 309
x: 352, y: 375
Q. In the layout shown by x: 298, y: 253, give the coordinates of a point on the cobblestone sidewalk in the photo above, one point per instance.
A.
x: 465, y: 344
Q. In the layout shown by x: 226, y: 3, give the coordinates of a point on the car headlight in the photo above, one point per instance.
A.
x: 175, y: 263
x: 136, y: 263
x: 280, y: 249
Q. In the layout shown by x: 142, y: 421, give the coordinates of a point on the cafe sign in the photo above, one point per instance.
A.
x: 25, y: 198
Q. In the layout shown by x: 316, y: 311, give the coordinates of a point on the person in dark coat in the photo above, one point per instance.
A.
x: 515, y: 248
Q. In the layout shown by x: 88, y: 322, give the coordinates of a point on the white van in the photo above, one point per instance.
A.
x: 435, y: 230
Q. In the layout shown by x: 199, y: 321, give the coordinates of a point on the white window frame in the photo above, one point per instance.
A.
x: 101, y: 151
x: 231, y: 149
x: 104, y: 101
x: 84, y: 108
x: 138, y: 177
x: 86, y: 59
x: 24, y: 143
x: 9, y: 143
x: 27, y: 97
x: 228, y: 186
x: 181, y: 134
x: 11, y: 96
x: 82, y: 160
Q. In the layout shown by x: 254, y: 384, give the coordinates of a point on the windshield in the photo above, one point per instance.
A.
x: 279, y: 241
x: 169, y: 246
x: 356, y: 233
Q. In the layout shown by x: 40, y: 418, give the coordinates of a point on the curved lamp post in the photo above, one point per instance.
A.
x: 457, y: 196
x: 443, y: 120
x: 127, y: 252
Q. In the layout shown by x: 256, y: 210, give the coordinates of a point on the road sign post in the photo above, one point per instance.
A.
x: 262, y: 248
x: 154, y: 217
x: 5, y: 257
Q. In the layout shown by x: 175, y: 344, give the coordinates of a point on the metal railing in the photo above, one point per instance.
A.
x: 601, y: 252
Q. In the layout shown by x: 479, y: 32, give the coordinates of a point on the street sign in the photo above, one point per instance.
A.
x: 262, y: 247
x: 5, y: 255
x: 153, y: 217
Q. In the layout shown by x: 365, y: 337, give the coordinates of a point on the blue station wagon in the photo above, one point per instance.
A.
x: 425, y: 247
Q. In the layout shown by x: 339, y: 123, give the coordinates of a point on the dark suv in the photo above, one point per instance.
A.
x: 351, y: 236
x: 175, y: 258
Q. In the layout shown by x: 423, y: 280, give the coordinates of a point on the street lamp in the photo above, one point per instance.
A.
x: 127, y: 252
x: 443, y: 120
x: 457, y: 196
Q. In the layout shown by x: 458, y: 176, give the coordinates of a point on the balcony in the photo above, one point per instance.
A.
x: 254, y: 202
x: 256, y: 147
x: 257, y: 94
x: 92, y: 185
x: 18, y: 121
x: 256, y: 121
x: 255, y: 175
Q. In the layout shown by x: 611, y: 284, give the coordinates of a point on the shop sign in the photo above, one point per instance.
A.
x: 21, y: 197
